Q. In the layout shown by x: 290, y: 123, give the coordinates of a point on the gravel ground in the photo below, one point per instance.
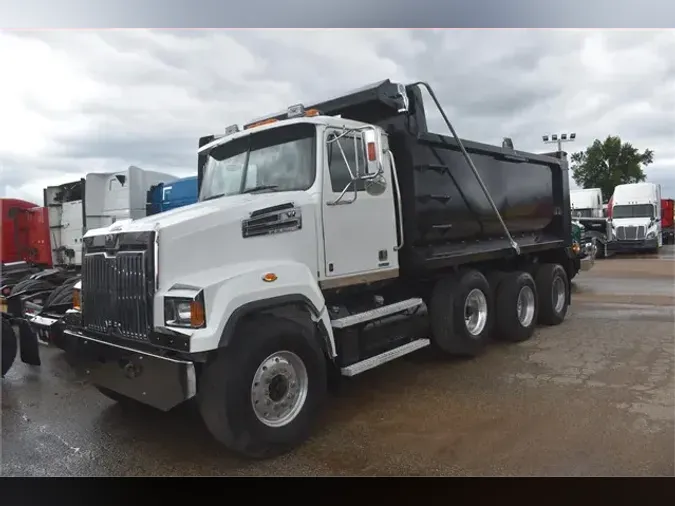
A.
x: 593, y: 396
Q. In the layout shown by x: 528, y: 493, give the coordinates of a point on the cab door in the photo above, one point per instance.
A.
x: 359, y: 220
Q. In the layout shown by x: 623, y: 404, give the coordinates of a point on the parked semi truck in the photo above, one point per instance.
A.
x: 171, y: 195
x: 586, y: 203
x: 25, y: 241
x: 36, y: 298
x: 328, y: 239
x: 635, y: 218
x: 588, y: 212
x: 668, y: 221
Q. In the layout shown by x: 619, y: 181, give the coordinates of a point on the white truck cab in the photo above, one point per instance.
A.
x: 636, y: 217
x: 586, y: 203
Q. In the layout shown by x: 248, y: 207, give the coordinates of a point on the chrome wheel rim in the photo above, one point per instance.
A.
x: 525, y: 306
x: 475, y: 312
x: 558, y: 294
x: 279, y: 389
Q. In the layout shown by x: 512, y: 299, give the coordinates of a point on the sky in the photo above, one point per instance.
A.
x: 75, y: 102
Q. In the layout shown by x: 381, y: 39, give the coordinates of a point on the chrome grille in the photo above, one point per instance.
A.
x: 630, y: 233
x: 117, y: 294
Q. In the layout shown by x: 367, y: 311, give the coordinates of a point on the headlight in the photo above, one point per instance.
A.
x: 651, y: 235
x: 184, y: 312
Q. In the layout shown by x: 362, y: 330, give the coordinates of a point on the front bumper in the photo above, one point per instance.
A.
x: 646, y: 244
x: 158, y: 381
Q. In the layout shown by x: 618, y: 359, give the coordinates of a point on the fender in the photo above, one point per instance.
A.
x: 241, y: 289
x: 291, y: 306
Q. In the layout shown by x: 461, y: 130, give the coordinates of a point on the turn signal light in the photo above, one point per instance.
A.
x: 197, y: 315
x: 76, y: 299
x: 371, y: 152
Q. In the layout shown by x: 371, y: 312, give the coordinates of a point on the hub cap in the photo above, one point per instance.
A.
x: 558, y: 294
x: 475, y: 312
x: 525, y: 306
x: 279, y: 389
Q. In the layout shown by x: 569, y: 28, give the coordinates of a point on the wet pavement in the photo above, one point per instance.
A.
x: 593, y: 396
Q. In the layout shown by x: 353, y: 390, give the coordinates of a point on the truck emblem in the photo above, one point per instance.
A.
x: 110, y: 241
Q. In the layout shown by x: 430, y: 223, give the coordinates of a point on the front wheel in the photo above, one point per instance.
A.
x: 260, y: 395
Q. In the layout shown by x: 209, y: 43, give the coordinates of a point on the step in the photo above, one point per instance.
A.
x: 383, y: 358
x: 376, y: 313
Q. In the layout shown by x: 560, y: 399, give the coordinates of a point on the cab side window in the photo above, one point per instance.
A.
x: 354, y: 152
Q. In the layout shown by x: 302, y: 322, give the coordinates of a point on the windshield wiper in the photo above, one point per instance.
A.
x: 216, y: 196
x: 261, y: 187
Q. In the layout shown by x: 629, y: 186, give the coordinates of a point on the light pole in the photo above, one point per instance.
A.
x: 559, y: 139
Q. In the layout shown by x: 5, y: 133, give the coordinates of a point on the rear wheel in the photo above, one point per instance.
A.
x: 460, y: 313
x: 9, y: 346
x: 553, y: 293
x: 516, y: 307
x: 260, y: 395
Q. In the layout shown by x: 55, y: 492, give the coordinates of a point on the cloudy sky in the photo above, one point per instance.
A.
x: 74, y: 102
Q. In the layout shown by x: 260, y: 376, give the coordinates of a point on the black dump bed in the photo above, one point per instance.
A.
x: 447, y: 219
x: 446, y: 215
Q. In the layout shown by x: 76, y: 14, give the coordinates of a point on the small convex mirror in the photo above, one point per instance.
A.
x: 375, y: 186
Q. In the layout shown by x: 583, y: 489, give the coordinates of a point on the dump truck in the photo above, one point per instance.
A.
x: 39, y: 292
x: 329, y: 239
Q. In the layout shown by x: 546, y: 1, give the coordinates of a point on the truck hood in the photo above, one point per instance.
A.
x: 196, y: 241
x: 235, y: 205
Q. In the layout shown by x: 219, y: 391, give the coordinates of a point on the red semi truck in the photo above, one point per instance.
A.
x: 25, y: 247
x: 668, y: 220
x: 25, y: 250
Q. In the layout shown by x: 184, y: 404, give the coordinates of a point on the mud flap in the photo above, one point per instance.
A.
x: 28, y: 343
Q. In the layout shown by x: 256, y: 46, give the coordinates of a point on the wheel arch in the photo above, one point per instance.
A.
x: 296, y: 307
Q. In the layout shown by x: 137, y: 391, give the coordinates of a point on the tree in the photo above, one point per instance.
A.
x: 610, y: 163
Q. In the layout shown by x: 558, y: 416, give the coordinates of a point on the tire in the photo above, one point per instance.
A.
x: 36, y: 285
x: 449, y: 330
x: 61, y: 294
x: 510, y: 325
x: 548, y: 277
x: 226, y: 394
x: 9, y: 346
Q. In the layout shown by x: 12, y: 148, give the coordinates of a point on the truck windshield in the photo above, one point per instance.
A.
x: 635, y: 211
x: 279, y: 159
